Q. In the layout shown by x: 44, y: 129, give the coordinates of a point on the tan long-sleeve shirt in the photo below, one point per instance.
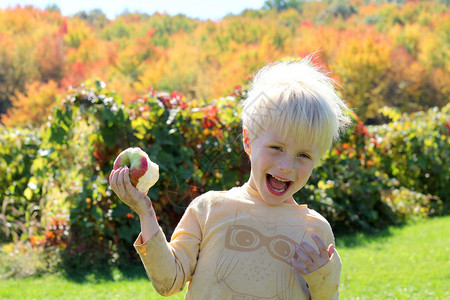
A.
x: 232, y: 245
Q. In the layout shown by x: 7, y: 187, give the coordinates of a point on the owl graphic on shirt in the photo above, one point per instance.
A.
x: 257, y: 253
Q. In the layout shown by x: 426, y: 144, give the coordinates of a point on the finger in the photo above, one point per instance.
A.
x: 120, y: 185
x: 130, y: 188
x: 330, y: 250
x: 320, y: 245
x: 304, y: 258
x: 127, y: 182
x: 299, y: 266
x: 310, y: 252
x: 138, y: 200
x: 113, y: 179
x: 111, y: 176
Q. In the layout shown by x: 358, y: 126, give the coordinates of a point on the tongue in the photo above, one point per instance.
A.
x: 276, y: 184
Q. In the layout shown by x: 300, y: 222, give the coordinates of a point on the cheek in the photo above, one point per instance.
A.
x: 259, y: 165
x: 305, y: 170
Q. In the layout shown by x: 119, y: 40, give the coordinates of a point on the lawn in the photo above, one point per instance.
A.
x: 409, y: 262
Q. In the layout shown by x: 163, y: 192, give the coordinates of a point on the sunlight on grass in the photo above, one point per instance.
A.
x: 57, y: 287
x: 410, y: 262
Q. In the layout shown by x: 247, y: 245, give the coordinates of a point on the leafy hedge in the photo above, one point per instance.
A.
x: 355, y: 189
x: 415, y: 149
x: 18, y: 150
x: 54, y: 191
x: 73, y: 156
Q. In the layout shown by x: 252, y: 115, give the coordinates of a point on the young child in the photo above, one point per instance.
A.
x: 255, y: 241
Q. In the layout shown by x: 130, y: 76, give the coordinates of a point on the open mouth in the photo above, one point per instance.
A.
x: 277, y: 185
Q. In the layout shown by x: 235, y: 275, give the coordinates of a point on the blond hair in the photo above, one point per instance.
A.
x: 297, y: 99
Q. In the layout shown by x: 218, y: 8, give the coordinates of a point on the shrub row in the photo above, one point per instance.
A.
x: 54, y: 181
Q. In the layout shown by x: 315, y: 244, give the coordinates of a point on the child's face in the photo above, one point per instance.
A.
x: 280, y: 166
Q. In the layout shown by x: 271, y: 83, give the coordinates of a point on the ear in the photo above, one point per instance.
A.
x: 246, y: 141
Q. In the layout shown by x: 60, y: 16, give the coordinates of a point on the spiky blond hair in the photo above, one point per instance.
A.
x: 298, y: 99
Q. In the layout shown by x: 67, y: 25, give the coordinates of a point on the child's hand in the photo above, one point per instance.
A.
x: 308, y: 260
x: 120, y: 183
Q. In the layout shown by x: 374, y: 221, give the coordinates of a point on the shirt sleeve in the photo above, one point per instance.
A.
x: 170, y: 265
x: 324, y: 283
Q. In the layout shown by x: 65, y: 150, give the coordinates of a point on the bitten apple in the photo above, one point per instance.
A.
x: 143, y: 172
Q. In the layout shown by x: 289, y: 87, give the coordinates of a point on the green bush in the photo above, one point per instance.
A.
x: 415, y: 149
x: 355, y: 188
x: 347, y: 187
x: 19, y: 208
x: 408, y: 204
x: 21, y: 260
x: 195, y: 149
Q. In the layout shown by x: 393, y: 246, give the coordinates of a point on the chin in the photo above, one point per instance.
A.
x: 271, y: 199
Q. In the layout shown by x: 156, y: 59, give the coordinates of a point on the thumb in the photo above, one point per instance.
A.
x: 330, y: 250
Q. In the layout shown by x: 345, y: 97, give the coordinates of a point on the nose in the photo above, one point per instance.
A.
x: 285, y: 166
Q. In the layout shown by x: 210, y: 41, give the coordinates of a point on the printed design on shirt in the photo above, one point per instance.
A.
x: 255, y: 262
x: 247, y: 239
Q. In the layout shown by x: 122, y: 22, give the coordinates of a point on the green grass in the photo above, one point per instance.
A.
x: 57, y: 287
x: 410, y: 262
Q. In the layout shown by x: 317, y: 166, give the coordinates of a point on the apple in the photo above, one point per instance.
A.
x: 143, y: 172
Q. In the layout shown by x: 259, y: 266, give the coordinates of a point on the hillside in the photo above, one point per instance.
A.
x: 380, y: 53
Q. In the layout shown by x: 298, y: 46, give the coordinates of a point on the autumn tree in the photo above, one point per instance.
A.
x: 280, y: 5
x: 15, y: 69
x: 362, y: 66
x: 94, y: 17
x: 31, y: 109
x: 50, y: 57
x: 382, y: 53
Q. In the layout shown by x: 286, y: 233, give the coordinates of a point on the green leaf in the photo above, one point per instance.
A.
x: 28, y: 193
x: 57, y: 135
x: 110, y: 135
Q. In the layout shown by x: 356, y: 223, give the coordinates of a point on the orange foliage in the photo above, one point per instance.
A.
x: 362, y: 66
x: 50, y: 57
x: 385, y: 54
x: 34, y: 107
x: 76, y: 75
